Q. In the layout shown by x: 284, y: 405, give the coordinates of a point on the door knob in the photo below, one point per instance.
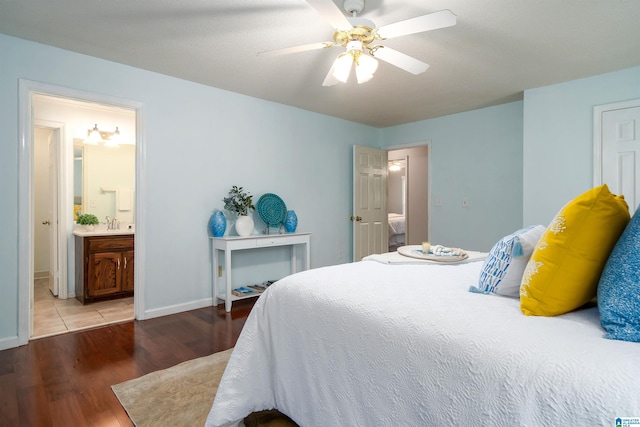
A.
x: 47, y: 222
x: 357, y: 218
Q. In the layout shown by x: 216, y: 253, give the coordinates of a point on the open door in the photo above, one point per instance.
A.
x: 617, y: 153
x: 370, y: 222
x: 53, y: 215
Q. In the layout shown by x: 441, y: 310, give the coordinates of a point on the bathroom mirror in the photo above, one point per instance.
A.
x: 77, y: 181
x: 104, y: 181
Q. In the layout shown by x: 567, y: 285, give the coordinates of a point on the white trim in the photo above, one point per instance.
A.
x: 598, y: 112
x: 178, y: 308
x: 9, y: 342
x: 25, y: 186
x: 140, y: 222
x: 25, y: 212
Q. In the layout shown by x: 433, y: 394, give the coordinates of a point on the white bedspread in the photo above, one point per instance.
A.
x: 372, y: 344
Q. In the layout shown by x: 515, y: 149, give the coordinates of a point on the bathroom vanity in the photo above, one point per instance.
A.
x: 104, y: 264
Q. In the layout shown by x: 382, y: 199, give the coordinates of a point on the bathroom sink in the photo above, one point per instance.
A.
x: 102, y: 231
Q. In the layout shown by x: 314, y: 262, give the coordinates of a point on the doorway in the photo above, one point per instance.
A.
x: 617, y: 149
x: 408, y: 196
x: 28, y: 117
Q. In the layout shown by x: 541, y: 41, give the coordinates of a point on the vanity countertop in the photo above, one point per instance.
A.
x: 103, y: 232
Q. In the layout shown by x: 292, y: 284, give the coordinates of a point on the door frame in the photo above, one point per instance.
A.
x: 598, y: 112
x: 26, y: 123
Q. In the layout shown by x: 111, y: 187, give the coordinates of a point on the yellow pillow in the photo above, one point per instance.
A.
x: 564, y: 269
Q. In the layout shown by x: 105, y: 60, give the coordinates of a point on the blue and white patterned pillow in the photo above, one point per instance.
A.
x: 503, y: 269
x: 619, y: 286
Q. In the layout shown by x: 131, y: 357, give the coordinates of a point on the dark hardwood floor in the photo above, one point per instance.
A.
x: 66, y: 380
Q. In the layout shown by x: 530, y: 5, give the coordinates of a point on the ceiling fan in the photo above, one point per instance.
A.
x: 359, y: 37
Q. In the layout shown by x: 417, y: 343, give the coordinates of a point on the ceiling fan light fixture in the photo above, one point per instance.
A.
x: 366, y: 66
x: 342, y: 67
x: 394, y: 167
x: 360, y: 35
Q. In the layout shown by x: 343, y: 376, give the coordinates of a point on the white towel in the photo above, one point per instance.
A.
x: 396, y: 258
x: 125, y: 199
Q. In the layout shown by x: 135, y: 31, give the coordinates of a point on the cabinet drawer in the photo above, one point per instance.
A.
x: 271, y: 241
x: 104, y: 243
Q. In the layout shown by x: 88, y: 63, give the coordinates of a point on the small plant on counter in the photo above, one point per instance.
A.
x: 88, y: 219
x: 238, y: 202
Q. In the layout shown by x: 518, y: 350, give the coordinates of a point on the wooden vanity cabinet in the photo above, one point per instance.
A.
x: 104, y: 267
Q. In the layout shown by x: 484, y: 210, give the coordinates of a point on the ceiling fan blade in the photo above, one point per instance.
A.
x: 432, y: 21
x: 400, y: 60
x: 331, y: 13
x: 295, y: 49
x: 330, y: 79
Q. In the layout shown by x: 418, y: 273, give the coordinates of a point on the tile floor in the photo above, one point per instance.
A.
x: 53, y: 316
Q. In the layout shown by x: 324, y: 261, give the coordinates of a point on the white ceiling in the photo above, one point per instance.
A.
x: 498, y: 49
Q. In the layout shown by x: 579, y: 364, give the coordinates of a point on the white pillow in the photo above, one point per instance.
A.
x: 503, y: 269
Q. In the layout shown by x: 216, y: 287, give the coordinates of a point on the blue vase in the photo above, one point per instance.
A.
x: 217, y: 224
x: 291, y: 222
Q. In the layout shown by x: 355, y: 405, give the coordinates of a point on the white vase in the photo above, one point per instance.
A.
x: 244, y: 225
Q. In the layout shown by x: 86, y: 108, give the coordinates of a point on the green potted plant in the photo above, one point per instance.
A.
x: 240, y: 203
x: 88, y: 220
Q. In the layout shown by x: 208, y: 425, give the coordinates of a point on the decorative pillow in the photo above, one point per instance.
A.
x: 502, y: 270
x: 565, y: 266
x: 619, y: 287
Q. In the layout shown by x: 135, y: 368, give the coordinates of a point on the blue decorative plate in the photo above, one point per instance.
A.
x: 271, y: 209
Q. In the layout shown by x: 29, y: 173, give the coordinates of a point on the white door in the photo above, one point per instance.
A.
x: 370, y: 221
x: 619, y: 150
x: 53, y: 216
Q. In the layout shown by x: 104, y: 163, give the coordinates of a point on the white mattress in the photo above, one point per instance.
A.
x: 375, y: 344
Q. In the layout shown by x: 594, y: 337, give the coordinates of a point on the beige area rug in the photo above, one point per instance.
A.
x: 182, y: 395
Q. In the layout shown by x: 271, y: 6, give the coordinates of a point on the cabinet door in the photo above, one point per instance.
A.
x: 127, y: 272
x: 104, y: 274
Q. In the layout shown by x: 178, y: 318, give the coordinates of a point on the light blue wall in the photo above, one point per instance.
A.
x: 475, y: 155
x: 558, y: 138
x: 200, y: 142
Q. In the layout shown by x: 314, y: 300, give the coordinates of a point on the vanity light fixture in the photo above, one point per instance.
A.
x: 96, y: 136
x: 93, y: 136
x: 114, y: 140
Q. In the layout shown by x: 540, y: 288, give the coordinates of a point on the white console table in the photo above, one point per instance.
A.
x: 237, y: 243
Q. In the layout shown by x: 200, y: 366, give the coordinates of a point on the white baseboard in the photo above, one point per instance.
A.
x: 178, y: 308
x: 9, y: 342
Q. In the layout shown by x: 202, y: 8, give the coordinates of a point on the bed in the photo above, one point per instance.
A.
x: 380, y: 343
x: 397, y: 230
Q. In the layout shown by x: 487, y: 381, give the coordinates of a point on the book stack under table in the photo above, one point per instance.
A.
x: 252, y: 289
